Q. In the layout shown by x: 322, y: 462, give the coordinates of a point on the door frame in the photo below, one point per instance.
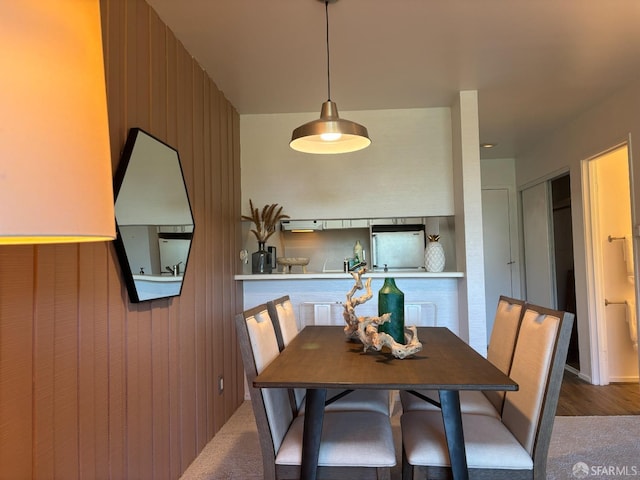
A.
x: 594, y: 270
x: 593, y: 261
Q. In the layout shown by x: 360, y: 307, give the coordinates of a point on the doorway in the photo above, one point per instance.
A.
x: 500, y: 269
x: 563, y: 256
x: 548, y: 250
x: 612, y: 273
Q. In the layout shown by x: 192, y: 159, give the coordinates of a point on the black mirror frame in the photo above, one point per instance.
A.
x: 121, y: 251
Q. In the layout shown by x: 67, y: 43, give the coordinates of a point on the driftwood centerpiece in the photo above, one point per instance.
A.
x: 365, y: 329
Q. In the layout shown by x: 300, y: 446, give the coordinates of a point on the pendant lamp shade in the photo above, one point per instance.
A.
x: 330, y: 133
x: 56, y: 182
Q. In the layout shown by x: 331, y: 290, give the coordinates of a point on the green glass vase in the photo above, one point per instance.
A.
x: 391, y: 300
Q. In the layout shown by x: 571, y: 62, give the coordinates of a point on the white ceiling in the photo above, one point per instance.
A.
x: 534, y: 63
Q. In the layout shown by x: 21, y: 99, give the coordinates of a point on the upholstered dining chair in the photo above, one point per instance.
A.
x: 514, y: 446
x: 354, y: 445
x: 286, y: 328
x: 499, y: 352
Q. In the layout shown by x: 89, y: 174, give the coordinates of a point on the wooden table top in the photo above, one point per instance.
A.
x: 322, y: 357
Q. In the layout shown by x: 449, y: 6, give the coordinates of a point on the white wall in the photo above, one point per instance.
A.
x: 596, y: 130
x: 405, y: 172
x: 498, y: 172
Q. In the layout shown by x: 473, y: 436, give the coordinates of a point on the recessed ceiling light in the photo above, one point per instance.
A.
x: 488, y: 145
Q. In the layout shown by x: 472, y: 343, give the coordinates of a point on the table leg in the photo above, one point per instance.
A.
x: 450, y: 402
x: 313, y: 418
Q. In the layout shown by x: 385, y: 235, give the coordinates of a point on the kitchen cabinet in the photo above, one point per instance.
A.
x: 345, y: 223
x: 332, y: 224
x: 430, y: 298
x: 398, y: 221
x: 420, y: 314
x: 356, y: 223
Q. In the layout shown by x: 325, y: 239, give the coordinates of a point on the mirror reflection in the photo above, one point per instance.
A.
x: 153, y: 217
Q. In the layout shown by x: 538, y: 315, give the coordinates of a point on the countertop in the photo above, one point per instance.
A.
x: 347, y: 276
x: 158, y: 278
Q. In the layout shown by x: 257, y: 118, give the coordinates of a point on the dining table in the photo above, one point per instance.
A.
x: 323, y: 357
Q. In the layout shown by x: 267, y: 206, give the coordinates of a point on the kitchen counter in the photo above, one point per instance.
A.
x: 317, y: 298
x: 158, y: 278
x: 347, y: 276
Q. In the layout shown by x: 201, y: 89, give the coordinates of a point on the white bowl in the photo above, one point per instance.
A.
x: 288, y: 262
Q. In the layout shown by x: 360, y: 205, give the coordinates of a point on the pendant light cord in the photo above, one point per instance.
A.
x: 326, y: 16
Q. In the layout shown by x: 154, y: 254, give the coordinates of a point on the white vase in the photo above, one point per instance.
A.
x: 434, y: 259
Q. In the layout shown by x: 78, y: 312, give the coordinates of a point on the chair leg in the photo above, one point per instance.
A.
x: 383, y: 473
x: 407, y: 468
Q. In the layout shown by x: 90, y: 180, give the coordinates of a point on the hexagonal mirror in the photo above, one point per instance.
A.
x: 153, y: 218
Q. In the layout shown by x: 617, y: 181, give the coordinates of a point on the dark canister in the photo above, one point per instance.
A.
x: 261, y: 260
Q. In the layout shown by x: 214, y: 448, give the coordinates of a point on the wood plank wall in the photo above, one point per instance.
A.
x: 92, y: 386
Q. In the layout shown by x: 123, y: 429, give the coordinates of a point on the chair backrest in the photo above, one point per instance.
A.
x: 503, y: 340
x: 538, y: 365
x: 271, y: 406
x: 283, y: 317
x: 284, y: 320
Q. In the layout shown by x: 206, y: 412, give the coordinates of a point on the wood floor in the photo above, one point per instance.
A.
x: 578, y: 397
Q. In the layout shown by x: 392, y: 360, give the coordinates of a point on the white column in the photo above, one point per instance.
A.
x: 468, y: 216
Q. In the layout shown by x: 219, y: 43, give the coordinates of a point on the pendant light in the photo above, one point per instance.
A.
x: 329, y: 134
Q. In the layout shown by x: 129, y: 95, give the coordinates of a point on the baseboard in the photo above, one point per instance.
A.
x: 584, y: 377
x: 571, y: 369
x: 624, y: 379
x: 578, y: 373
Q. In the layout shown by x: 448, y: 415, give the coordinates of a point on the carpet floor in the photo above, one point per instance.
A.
x: 594, y: 448
x: 581, y: 447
